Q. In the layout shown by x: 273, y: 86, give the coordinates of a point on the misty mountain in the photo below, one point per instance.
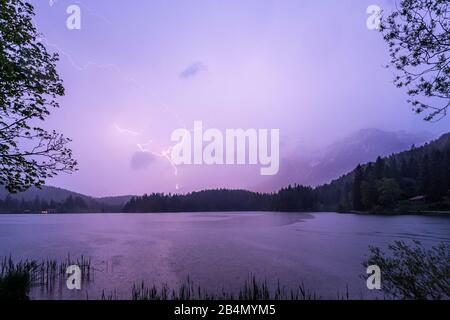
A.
x: 415, y: 180
x: 385, y: 185
x: 49, y: 193
x: 341, y: 157
x: 117, y: 201
x: 306, y: 169
x: 409, y: 181
x: 360, y: 147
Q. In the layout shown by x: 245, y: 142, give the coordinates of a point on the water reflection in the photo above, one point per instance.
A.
x: 217, y: 250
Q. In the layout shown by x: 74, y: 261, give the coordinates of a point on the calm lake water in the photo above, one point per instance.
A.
x: 217, y: 250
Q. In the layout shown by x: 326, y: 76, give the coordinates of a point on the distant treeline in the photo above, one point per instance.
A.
x: 418, y: 179
x: 414, y: 180
x: 69, y: 205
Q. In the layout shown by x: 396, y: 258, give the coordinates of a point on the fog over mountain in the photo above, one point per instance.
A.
x: 296, y: 66
x: 328, y: 163
x: 50, y: 193
x: 312, y: 167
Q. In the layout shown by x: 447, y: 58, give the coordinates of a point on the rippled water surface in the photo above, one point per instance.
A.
x: 217, y: 250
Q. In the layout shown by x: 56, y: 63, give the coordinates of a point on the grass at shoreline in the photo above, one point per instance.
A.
x: 252, y: 289
x: 407, y: 271
x: 17, y: 279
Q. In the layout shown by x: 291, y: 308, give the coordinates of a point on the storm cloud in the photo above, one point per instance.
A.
x: 193, y: 70
x: 141, y: 160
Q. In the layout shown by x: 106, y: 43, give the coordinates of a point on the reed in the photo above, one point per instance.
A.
x: 252, y: 289
x: 17, y: 278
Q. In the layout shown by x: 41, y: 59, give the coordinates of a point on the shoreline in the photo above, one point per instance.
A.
x: 365, y: 213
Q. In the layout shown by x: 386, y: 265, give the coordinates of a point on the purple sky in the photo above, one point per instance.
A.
x: 137, y: 70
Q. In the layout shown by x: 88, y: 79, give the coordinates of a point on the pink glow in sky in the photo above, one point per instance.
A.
x: 138, y: 70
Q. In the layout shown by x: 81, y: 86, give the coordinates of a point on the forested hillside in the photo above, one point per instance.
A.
x: 418, y: 179
x: 410, y: 181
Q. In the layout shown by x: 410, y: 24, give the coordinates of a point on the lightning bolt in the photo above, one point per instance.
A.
x: 120, y: 130
x: 165, y: 153
x: 143, y: 147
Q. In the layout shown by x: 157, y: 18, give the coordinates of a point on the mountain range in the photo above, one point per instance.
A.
x: 340, y: 157
x: 50, y: 193
x: 313, y: 169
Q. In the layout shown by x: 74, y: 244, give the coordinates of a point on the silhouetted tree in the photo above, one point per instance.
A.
x: 417, y: 34
x: 413, y: 272
x: 29, y: 86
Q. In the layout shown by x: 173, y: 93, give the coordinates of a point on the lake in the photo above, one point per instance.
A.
x: 324, y: 251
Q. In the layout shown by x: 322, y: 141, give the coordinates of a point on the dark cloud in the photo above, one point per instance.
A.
x: 193, y: 70
x: 141, y: 160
